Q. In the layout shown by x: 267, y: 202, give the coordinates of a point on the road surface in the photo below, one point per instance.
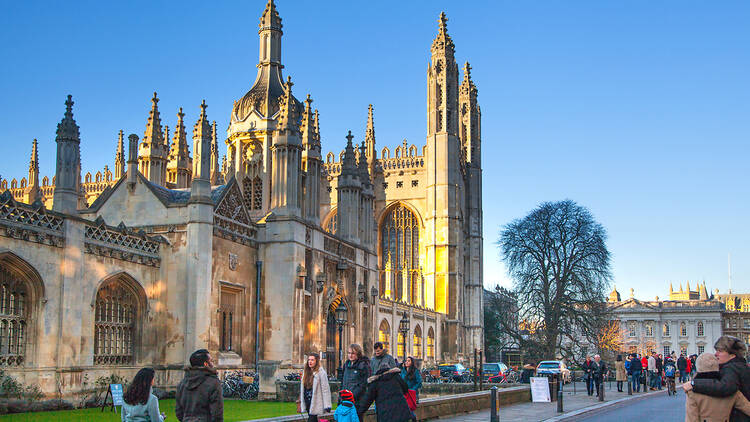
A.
x: 660, y: 408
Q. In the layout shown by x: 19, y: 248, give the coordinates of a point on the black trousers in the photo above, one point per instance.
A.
x: 619, y: 386
x: 312, y: 418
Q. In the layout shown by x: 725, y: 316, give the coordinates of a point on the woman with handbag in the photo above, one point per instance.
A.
x: 410, y: 374
x: 314, y: 391
x: 387, y: 390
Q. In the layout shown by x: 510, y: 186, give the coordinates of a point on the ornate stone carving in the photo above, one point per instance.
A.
x: 232, y: 261
x: 21, y: 221
x: 232, y: 206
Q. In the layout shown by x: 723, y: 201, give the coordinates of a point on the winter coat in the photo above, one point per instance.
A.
x: 355, y: 377
x: 600, y: 368
x: 412, y: 383
x: 620, y: 374
x: 682, y: 363
x: 377, y: 361
x: 321, y: 394
x: 690, y: 365
x: 588, y: 368
x: 735, y: 376
x: 644, y: 363
x: 346, y: 412
x: 387, y: 390
x: 199, y: 396
x: 148, y: 412
x: 635, y: 365
x: 651, y: 363
x: 527, y: 373
x: 700, y: 407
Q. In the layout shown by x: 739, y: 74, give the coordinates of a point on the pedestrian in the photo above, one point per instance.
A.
x: 652, y: 371
x: 346, y: 411
x: 386, y: 388
x: 620, y: 373
x: 527, y: 372
x: 670, y: 369
x: 381, y: 357
x: 689, y: 368
x: 734, y: 374
x: 588, y: 375
x: 356, y: 372
x: 659, y: 369
x: 140, y: 404
x: 314, y: 391
x: 599, y: 370
x: 682, y: 367
x: 635, y: 372
x: 644, y: 372
x: 410, y: 374
x: 199, y: 393
x: 702, y: 407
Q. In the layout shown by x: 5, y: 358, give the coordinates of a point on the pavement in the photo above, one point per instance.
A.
x: 576, y: 405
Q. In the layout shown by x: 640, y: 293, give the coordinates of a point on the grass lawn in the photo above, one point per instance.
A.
x: 234, y: 410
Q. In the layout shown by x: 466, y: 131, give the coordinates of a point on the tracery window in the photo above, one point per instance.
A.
x: 14, y: 313
x: 401, y: 345
x: 430, y: 344
x: 384, y: 334
x: 417, y: 353
x: 399, y: 255
x: 114, y: 325
x: 257, y: 193
x: 332, y: 223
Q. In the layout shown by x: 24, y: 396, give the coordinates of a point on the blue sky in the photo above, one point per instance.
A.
x: 638, y: 110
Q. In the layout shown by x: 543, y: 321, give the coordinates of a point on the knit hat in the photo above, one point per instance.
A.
x: 707, y: 362
x: 346, y: 395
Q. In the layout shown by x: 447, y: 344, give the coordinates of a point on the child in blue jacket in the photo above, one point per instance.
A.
x: 346, y: 412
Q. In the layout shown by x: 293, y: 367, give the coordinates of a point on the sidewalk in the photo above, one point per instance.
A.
x: 573, y: 403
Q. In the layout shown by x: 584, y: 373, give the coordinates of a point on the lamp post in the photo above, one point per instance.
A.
x: 403, y: 326
x: 340, y: 321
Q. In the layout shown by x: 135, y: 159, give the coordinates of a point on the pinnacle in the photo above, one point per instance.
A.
x: 270, y: 16
x: 443, y: 40
x: 443, y: 20
x: 67, y: 128
x: 153, y: 133
x: 287, y: 112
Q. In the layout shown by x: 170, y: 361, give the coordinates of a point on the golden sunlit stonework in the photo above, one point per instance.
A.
x: 170, y: 252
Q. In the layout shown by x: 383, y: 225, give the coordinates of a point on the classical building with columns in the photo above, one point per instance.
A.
x: 249, y: 256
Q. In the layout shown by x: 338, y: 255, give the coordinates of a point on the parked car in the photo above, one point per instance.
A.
x: 490, y: 370
x: 548, y: 367
x: 456, y: 372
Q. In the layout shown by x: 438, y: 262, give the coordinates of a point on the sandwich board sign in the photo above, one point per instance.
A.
x: 115, y: 391
x: 540, y: 389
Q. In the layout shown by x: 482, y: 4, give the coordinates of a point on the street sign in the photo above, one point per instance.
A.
x: 116, y: 394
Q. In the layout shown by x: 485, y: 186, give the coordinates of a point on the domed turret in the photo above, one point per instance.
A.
x: 614, y: 296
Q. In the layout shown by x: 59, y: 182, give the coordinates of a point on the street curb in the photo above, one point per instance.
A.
x: 591, y: 409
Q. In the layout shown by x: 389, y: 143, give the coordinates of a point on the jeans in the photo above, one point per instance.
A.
x: 653, y: 378
x: 590, y: 385
x: 636, y: 381
x: 598, y: 382
x: 683, y: 375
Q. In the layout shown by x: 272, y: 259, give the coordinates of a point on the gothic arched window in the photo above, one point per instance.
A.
x: 384, y: 334
x: 330, y: 225
x: 14, y: 314
x: 430, y: 344
x: 399, y: 255
x: 116, y: 310
x: 417, y: 353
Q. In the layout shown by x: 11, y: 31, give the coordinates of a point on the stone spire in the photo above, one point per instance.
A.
x: 288, y: 118
x: 120, y: 156
x: 215, y: 170
x: 442, y: 83
x: 68, y: 168
x: 311, y: 163
x: 31, y: 193
x: 349, y: 192
x: 370, y: 135
x: 166, y: 138
x: 364, y: 173
x: 180, y: 167
x: 200, y: 188
x: 470, y: 120
x: 316, y: 124
x: 152, y: 154
x: 366, y: 211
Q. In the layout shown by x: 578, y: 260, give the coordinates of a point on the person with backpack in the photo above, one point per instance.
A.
x: 670, y: 370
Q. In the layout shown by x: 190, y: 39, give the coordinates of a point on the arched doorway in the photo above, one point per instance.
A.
x: 331, y: 342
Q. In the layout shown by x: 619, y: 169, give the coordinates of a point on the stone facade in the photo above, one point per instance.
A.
x: 688, y: 326
x: 244, y: 256
x: 736, y: 318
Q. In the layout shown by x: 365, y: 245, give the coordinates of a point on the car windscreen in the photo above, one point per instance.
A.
x: 549, y: 365
x: 491, y: 367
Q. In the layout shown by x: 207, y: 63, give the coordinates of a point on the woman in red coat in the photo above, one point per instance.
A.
x: 689, y: 367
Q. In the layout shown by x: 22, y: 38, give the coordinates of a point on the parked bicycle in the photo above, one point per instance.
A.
x: 240, y: 384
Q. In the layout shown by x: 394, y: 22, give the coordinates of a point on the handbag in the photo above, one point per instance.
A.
x: 411, y: 399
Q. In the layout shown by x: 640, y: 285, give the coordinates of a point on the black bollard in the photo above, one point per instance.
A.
x: 494, y: 417
x: 630, y: 385
x: 601, y: 391
x: 560, y: 394
x: 574, y: 383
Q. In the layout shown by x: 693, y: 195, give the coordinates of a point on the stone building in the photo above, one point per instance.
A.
x: 682, y: 326
x: 249, y: 256
x: 736, y: 317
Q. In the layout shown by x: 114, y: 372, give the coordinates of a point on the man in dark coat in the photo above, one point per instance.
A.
x: 635, y: 372
x: 599, y: 370
x: 682, y: 367
x: 381, y: 358
x: 734, y: 374
x: 356, y: 373
x: 387, y: 390
x: 199, y: 396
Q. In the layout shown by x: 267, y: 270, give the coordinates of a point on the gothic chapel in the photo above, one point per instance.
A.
x: 252, y: 255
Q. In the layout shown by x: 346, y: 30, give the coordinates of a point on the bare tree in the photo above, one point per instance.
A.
x: 560, y: 268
